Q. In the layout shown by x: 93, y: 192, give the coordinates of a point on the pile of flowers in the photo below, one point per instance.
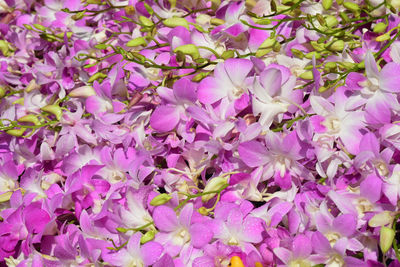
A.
x: 199, y: 133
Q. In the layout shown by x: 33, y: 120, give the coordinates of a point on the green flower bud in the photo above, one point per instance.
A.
x: 2, y: 92
x: 228, y: 54
x: 203, y: 211
x: 122, y: 230
x: 5, y: 48
x: 313, y: 53
x: 345, y: 18
x: 327, y: 4
x: 19, y: 101
x: 29, y: 118
x: 380, y: 27
x: 27, y: 26
x: 200, y: 76
x: 297, y: 53
x: 331, y: 21
x: 321, y: 19
x: 323, y: 89
x: 383, y: 37
x: 53, y: 109
x: 136, y: 42
x: 215, y: 184
x: 266, y: 47
x: 161, y: 199
x: 175, y: 22
x: 262, y: 21
x: 381, y: 219
x: 96, y: 76
x: 149, y: 9
x: 16, y: 132
x: 216, y: 21
x: 79, y: 15
x: 308, y: 75
x: 353, y: 7
x: 5, y: 197
x: 83, y: 91
x: 336, y: 46
x: 386, y: 238
x: 318, y: 47
x: 145, y: 21
x: 95, y: 2
x: 330, y: 66
x: 40, y: 27
x: 148, y: 236
x: 101, y: 46
x: 189, y: 49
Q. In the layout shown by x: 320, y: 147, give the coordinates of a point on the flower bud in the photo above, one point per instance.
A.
x: 336, y: 46
x: 353, y: 7
x: 78, y: 15
x: 19, y: 101
x: 96, y: 76
x: 189, y: 49
x: 236, y: 261
x: 216, y: 21
x: 2, y: 92
x: 40, y: 27
x: 148, y: 236
x: 16, y: 132
x: 130, y: 10
x: 312, y: 54
x: 266, y: 47
x: 386, y: 238
x: 297, y: 53
x: 380, y: 27
x: 203, y: 211
x: 200, y: 76
x: 381, y: 219
x: 228, y: 54
x: 175, y: 22
x: 5, y: 197
x: 122, y: 230
x: 308, y: 75
x: 160, y: 199
x: 329, y: 66
x: 331, y: 21
x: 53, y: 109
x: 215, y: 184
x: 29, y: 118
x: 318, y: 47
x: 383, y: 37
x: 136, y: 42
x: 323, y: 89
x: 28, y: 27
x: 5, y: 48
x: 95, y: 2
x: 327, y: 4
x: 83, y: 91
x: 146, y: 21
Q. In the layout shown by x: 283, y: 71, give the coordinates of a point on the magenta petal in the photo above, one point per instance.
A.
x: 320, y: 243
x: 371, y: 188
x: 238, y: 69
x: 389, y: 77
x: 200, y: 235
x: 210, y: 91
x: 345, y: 224
x: 271, y: 80
x: 301, y: 246
x: 185, y: 216
x: 164, y: 118
x: 36, y: 219
x: 253, y: 153
x: 252, y: 229
x: 184, y: 89
x: 151, y: 252
x: 165, y: 219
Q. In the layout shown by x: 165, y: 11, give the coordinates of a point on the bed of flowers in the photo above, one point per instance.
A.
x: 199, y: 133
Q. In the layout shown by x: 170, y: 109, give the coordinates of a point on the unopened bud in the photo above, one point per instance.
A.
x: 353, y: 7
x: 386, y: 238
x: 122, y: 230
x: 380, y: 27
x: 53, y: 109
x: 189, y: 49
x: 146, y: 21
x: 175, y: 22
x: 5, y: 197
x: 200, y: 76
x: 96, y: 76
x: 381, y: 219
x: 336, y: 46
x: 312, y: 54
x: 29, y: 118
x: 16, y: 132
x: 78, y: 15
x: 327, y: 4
x: 266, y: 47
x: 331, y: 21
x: 203, y: 211
x: 148, y: 236
x: 228, y: 54
x: 130, y: 10
x: 161, y: 199
x: 215, y: 184
x: 2, y: 92
x: 40, y: 27
x: 383, y: 37
x: 329, y: 66
x: 308, y: 75
x: 136, y: 42
x: 216, y: 21
x: 5, y: 48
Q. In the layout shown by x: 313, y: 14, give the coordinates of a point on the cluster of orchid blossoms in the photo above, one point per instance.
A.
x: 199, y: 133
